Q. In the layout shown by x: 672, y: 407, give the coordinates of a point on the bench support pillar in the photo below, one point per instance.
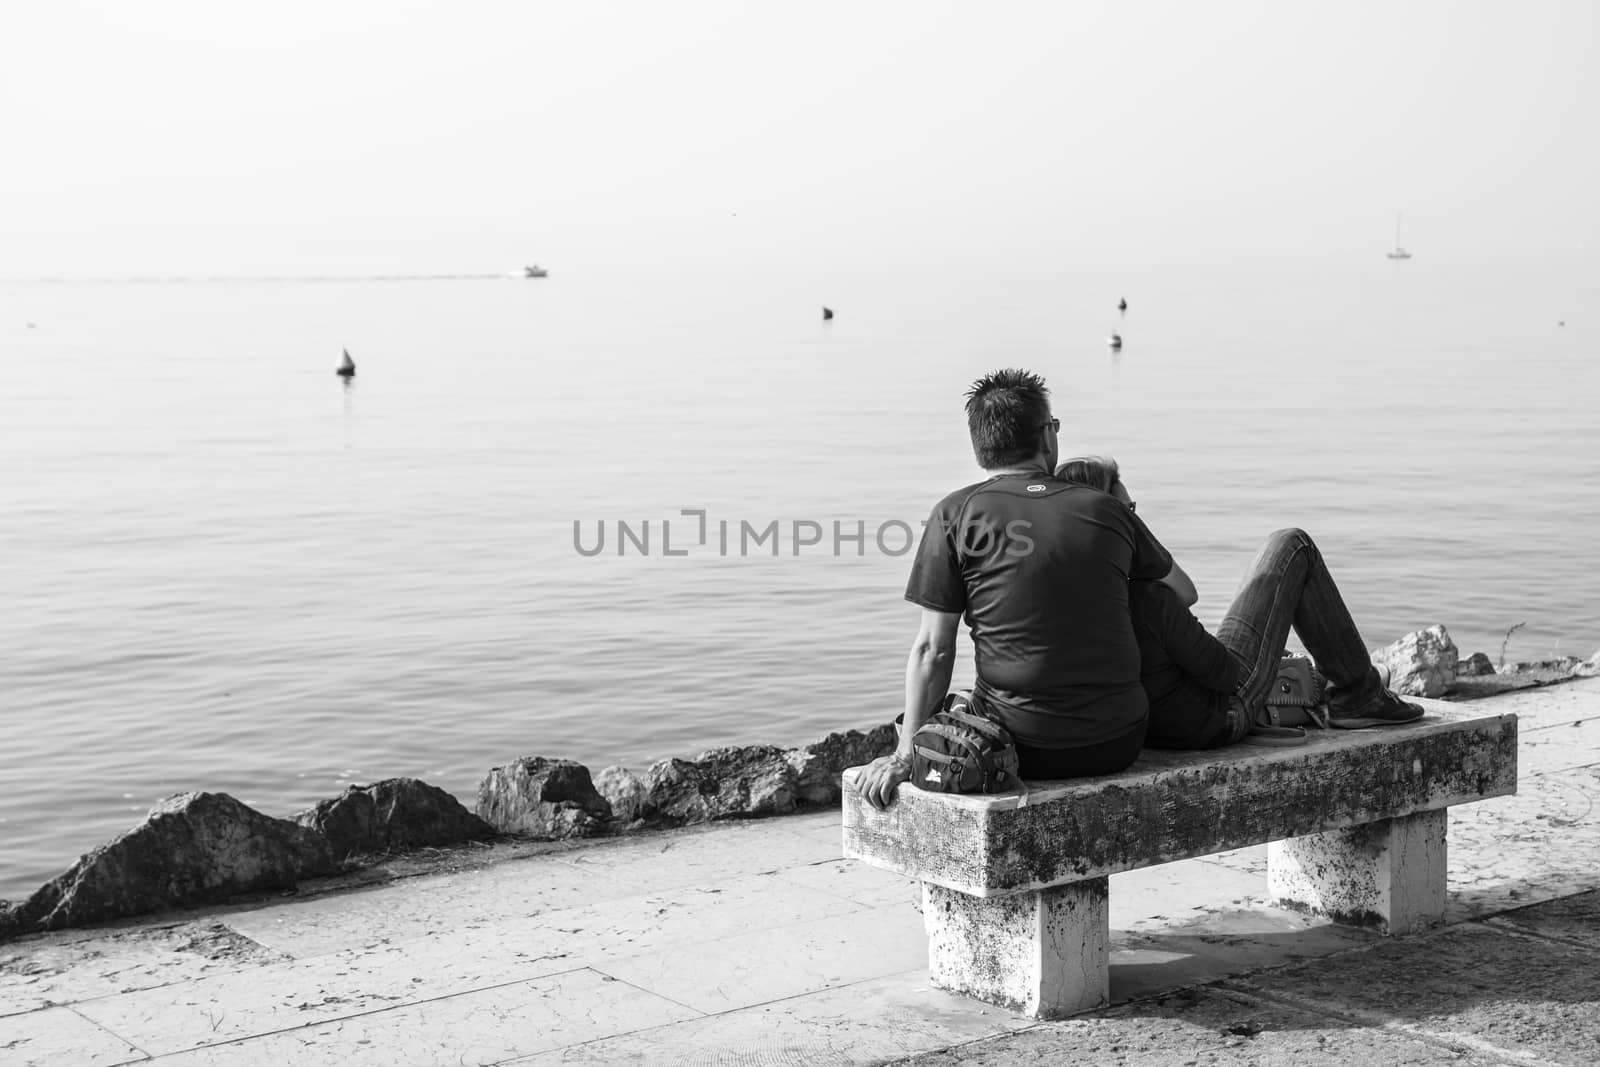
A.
x: 1043, y: 953
x: 1389, y: 873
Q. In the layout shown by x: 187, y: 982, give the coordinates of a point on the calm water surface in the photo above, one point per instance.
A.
x: 224, y: 569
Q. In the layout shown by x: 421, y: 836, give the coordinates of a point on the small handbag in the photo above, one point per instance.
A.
x: 1298, y: 698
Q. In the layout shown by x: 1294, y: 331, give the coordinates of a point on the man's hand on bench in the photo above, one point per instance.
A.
x: 879, y: 779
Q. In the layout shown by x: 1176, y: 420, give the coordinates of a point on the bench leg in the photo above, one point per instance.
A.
x: 1389, y: 873
x: 1043, y: 953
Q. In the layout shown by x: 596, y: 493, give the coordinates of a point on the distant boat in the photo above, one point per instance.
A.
x: 347, y: 366
x: 1122, y: 305
x: 534, y: 271
x: 1399, y: 252
x: 827, y: 313
x: 1116, y: 340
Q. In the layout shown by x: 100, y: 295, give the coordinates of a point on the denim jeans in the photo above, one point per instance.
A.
x: 1289, y: 585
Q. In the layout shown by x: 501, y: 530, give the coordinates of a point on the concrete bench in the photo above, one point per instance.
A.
x: 1015, y: 889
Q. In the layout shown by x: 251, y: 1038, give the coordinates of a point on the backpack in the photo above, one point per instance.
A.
x: 960, y: 750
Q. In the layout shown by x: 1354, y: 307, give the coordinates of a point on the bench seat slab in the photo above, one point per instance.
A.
x: 1390, y: 873
x: 1178, y: 805
x: 1045, y: 954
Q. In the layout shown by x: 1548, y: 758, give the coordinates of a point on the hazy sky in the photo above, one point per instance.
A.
x: 204, y: 135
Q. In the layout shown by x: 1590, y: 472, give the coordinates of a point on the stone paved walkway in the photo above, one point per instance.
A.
x: 755, y: 943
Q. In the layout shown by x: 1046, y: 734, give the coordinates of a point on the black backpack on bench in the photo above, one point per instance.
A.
x: 959, y: 750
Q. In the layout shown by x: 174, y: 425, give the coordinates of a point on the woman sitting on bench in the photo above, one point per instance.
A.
x: 1206, y: 690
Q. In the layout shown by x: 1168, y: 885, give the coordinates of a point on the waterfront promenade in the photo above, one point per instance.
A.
x: 754, y: 943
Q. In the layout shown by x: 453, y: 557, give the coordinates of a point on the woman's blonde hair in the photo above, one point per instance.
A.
x: 1097, y: 472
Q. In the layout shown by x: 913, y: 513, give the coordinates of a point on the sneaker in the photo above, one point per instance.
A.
x: 1386, y: 709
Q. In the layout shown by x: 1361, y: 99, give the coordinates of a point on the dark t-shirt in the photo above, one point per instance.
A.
x: 1040, y: 568
x: 1187, y: 673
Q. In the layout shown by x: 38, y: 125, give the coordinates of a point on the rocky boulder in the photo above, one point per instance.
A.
x: 721, y: 783
x: 193, y: 848
x: 1474, y: 666
x: 391, y: 816
x: 625, y: 791
x: 543, y: 797
x: 817, y: 766
x: 1421, y: 663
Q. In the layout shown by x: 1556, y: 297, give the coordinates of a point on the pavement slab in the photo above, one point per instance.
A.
x: 485, y: 1027
x: 451, y: 962
x: 766, y: 964
x: 1537, y: 845
x: 1572, y: 919
x: 58, y: 1036
x: 80, y: 965
x: 1496, y: 992
x: 1218, y: 1028
x: 870, y: 1022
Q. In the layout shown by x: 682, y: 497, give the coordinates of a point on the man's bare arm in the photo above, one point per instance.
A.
x: 928, y: 670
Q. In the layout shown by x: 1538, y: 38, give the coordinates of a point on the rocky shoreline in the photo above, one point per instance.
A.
x: 199, y: 848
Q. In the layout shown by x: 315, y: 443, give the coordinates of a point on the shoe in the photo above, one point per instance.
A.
x: 1385, y: 709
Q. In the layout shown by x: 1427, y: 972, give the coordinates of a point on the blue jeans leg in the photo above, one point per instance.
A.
x: 1287, y: 585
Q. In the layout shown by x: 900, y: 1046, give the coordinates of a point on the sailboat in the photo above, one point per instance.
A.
x: 1399, y: 252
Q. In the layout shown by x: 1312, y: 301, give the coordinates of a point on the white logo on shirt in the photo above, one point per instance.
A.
x: 1037, y: 488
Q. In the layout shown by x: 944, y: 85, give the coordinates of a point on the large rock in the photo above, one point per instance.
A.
x: 818, y: 765
x: 739, y: 783
x: 721, y: 783
x: 193, y: 848
x: 391, y: 816
x: 625, y: 792
x: 1421, y: 663
x: 543, y: 797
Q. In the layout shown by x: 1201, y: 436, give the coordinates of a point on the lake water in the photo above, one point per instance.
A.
x: 225, y: 569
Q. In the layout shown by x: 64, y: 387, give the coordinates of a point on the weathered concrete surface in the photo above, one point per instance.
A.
x: 1041, y: 954
x: 1391, y: 874
x: 1177, y: 805
x: 754, y: 942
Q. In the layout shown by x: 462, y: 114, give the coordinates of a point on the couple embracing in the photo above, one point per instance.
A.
x: 1086, y: 648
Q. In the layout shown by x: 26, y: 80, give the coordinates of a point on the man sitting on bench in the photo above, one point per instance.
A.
x: 1040, y: 567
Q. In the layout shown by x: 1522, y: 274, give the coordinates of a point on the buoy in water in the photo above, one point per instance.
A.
x: 827, y: 313
x: 347, y: 366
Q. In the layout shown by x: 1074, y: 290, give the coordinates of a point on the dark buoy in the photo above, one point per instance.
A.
x: 1122, y: 305
x: 347, y: 366
x: 1116, y: 340
x: 827, y: 313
